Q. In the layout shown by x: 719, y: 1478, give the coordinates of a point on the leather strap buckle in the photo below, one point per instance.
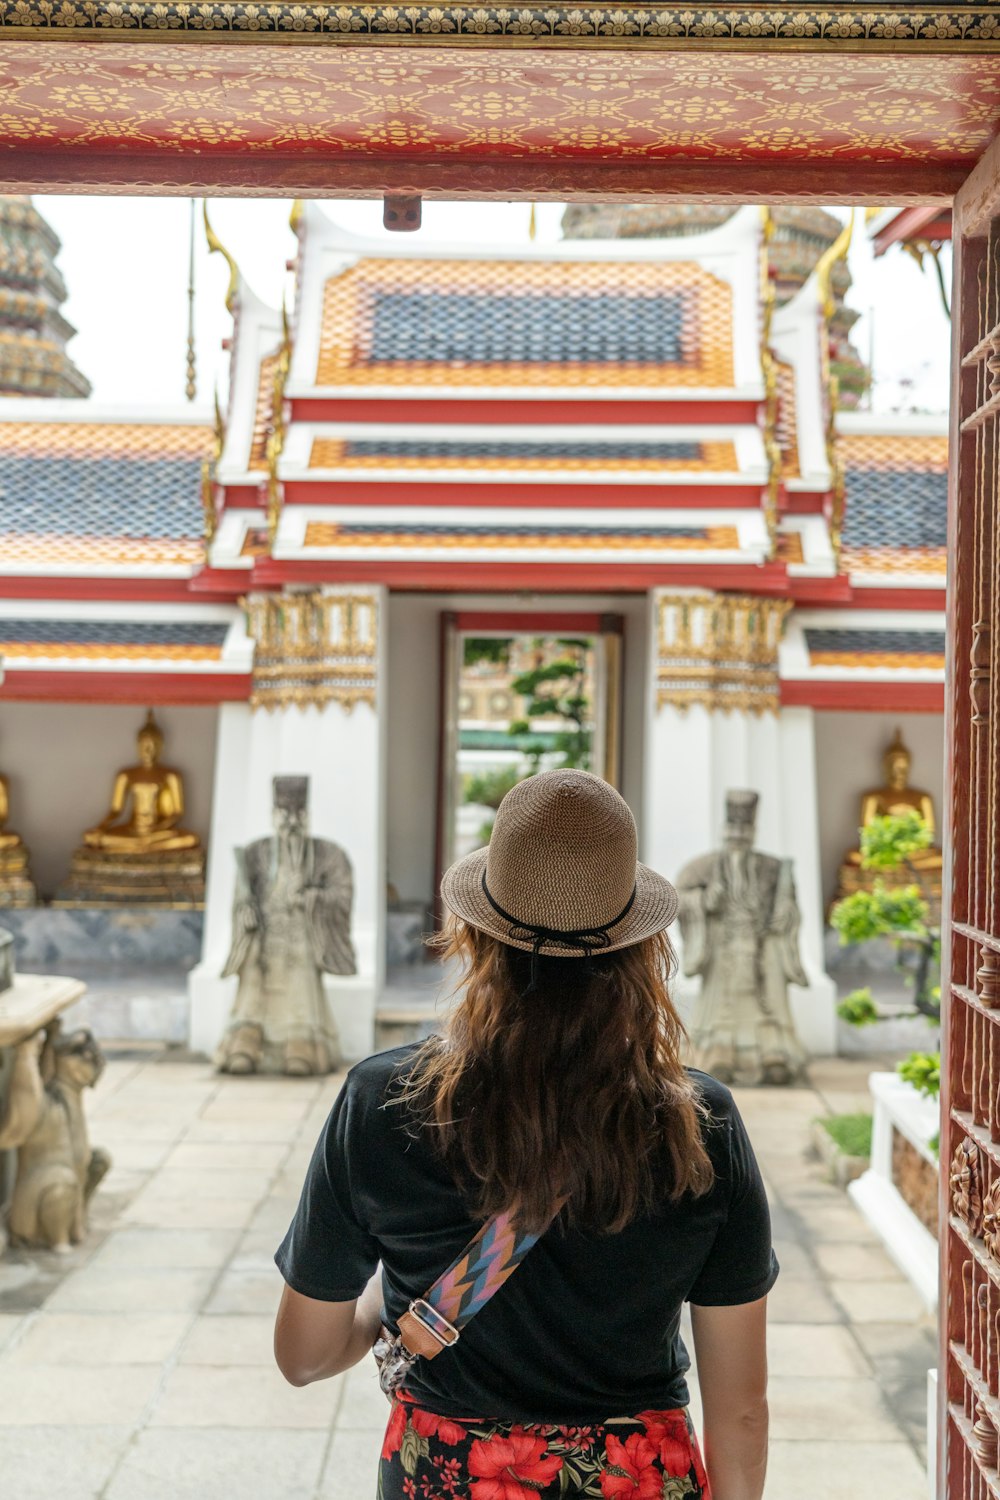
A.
x: 425, y: 1330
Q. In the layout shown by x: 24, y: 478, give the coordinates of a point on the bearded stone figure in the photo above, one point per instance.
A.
x: 291, y: 925
x: 740, y: 922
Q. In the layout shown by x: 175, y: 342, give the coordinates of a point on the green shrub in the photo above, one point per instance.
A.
x: 852, y: 1133
x: 923, y: 1071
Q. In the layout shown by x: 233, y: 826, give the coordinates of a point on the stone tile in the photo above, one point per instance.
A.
x: 879, y: 1301
x: 152, y: 1212
x: 9, y: 1325
x: 833, y: 1470
x: 99, y: 1339
x: 129, y: 1155
x: 793, y: 1258
x: 273, y: 1217
x: 256, y: 1291
x: 220, y: 1339
x: 268, y: 1090
x: 108, y: 1289
x: 219, y: 1464
x: 206, y: 1396
x: 79, y: 1395
x: 242, y: 1131
x: 254, y: 1156
x: 151, y: 1249
x: 180, y: 1183
x: 846, y: 1262
x: 239, y: 1108
x: 801, y: 1299
x: 133, y: 1125
x: 825, y: 1220
x: 363, y: 1405
x: 351, y: 1466
x: 810, y: 1349
x: 811, y: 1408
x: 255, y: 1251
x: 73, y: 1463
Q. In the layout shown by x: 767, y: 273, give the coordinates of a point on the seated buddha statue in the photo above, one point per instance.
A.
x: 16, y: 887
x: 147, y: 804
x: 894, y: 799
x: 9, y: 840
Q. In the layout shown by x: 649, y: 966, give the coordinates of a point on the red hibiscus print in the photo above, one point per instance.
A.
x: 393, y: 1440
x: 511, y: 1468
x: 639, y: 1478
x: 668, y: 1430
x: 429, y: 1424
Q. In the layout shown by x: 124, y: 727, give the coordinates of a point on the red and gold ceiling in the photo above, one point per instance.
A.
x: 463, y: 101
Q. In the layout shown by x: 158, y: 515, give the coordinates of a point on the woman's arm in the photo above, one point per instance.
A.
x: 731, y: 1355
x: 313, y: 1339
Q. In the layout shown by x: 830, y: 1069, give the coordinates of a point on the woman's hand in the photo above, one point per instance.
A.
x: 314, y: 1340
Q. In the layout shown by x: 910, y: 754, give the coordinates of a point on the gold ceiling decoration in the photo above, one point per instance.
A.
x: 719, y: 651
x: 824, y: 28
x: 313, y: 647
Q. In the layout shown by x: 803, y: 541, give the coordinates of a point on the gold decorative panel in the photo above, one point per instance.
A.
x: 719, y: 650
x: 313, y: 647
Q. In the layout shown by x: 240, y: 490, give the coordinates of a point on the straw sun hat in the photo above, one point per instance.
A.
x: 560, y: 876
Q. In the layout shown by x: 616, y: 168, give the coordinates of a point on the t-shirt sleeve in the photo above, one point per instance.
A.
x: 741, y: 1266
x: 328, y: 1253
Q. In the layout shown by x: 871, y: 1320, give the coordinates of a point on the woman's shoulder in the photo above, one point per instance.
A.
x: 376, y: 1076
x: 713, y: 1096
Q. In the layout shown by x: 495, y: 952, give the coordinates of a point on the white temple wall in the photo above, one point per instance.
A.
x: 61, y: 759
x: 849, y: 751
x: 413, y: 664
x: 694, y: 756
x: 342, y: 751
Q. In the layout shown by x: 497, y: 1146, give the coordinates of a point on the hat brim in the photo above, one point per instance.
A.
x: 652, y: 911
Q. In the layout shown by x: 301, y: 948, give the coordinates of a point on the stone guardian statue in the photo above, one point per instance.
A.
x: 291, y: 925
x: 739, y: 922
x: 44, y: 1119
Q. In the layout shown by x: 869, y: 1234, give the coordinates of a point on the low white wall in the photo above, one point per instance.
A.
x: 849, y: 751
x: 61, y: 759
x: 413, y: 696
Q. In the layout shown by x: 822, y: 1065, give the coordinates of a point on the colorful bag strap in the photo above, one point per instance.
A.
x: 435, y: 1320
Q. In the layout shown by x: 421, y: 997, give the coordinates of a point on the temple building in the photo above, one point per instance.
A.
x: 644, y: 441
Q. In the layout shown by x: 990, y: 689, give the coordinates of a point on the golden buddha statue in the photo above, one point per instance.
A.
x: 155, y: 795
x: 138, y: 852
x: 895, y: 799
x: 16, y: 888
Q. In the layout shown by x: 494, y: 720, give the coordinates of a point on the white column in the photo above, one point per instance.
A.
x: 697, y: 749
x: 340, y: 746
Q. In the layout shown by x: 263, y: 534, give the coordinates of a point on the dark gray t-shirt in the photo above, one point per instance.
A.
x: 588, y: 1326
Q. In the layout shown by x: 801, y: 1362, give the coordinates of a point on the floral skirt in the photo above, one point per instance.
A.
x: 653, y: 1456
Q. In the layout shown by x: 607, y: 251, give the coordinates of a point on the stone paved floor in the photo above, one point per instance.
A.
x: 139, y: 1368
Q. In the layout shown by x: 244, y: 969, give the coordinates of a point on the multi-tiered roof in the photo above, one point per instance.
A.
x: 595, y: 415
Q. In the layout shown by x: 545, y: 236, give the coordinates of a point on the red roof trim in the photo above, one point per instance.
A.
x: 543, y: 410
x: 125, y: 687
x: 769, y: 579
x: 140, y: 590
x: 514, y: 493
x: 925, y: 222
x: 865, y: 697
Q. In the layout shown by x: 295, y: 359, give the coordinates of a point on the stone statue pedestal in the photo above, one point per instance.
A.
x: 17, y: 889
x: 174, y: 879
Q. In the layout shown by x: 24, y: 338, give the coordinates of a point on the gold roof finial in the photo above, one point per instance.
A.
x: 215, y: 244
x: 532, y: 223
x: 824, y: 267
x: 295, y: 217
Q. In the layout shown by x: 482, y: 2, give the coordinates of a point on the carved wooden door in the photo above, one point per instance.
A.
x: 969, y: 1370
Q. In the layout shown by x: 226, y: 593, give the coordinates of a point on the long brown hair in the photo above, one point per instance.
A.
x: 570, y: 1086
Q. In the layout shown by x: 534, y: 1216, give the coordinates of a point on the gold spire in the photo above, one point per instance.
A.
x: 276, y: 437
x: 214, y: 243
x: 191, y: 384
x: 532, y: 222
x: 295, y: 217
x: 824, y: 267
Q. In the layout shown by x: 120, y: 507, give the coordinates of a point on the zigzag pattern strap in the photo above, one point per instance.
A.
x: 480, y: 1270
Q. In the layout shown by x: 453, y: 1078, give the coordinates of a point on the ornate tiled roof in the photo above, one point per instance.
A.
x: 896, y: 506
x: 170, y: 640
x: 33, y: 332
x: 787, y: 430
x: 526, y: 323
x: 922, y: 649
x: 488, y: 453
x: 101, y: 494
x: 655, y: 538
x: 262, y: 414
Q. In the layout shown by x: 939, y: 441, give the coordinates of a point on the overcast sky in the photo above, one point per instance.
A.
x: 125, y: 262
